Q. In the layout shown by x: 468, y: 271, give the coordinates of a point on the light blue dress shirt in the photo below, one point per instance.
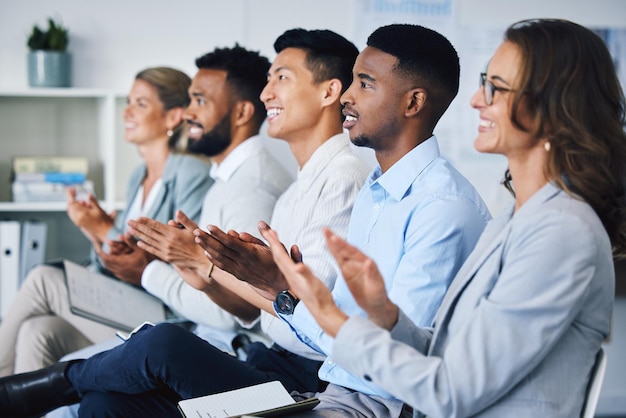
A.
x: 419, y: 221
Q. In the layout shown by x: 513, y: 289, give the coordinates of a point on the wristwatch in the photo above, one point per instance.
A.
x: 286, y: 302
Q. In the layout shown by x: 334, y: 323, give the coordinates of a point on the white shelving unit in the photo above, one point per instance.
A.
x: 65, y: 122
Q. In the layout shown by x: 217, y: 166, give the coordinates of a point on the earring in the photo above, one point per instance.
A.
x: 546, y: 146
x: 169, y: 133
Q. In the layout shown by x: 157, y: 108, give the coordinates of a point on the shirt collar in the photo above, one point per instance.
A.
x: 321, y: 158
x: 236, y: 158
x: 400, y: 176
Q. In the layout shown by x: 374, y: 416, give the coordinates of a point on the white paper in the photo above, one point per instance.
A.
x: 237, y: 402
x: 109, y: 300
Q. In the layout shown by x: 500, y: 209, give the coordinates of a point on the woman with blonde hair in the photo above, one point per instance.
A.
x: 39, y: 327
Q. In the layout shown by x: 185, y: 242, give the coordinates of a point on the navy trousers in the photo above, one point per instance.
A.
x: 148, y: 374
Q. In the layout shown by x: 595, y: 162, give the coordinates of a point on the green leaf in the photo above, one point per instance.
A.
x: 55, y: 38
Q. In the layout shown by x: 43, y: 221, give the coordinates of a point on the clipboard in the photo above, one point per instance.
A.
x: 110, y: 301
x: 269, y: 399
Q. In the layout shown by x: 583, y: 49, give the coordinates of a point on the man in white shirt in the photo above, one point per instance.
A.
x: 302, y: 101
x: 248, y: 181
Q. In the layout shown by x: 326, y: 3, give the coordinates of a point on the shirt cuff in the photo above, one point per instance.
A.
x: 150, y: 272
x: 401, y: 330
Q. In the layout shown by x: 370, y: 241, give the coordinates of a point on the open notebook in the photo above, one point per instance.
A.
x: 269, y: 399
x: 108, y: 300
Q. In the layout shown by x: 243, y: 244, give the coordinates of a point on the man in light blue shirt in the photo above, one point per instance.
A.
x: 417, y: 216
x: 419, y: 221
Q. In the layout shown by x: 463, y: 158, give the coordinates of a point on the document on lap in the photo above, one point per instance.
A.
x: 264, y: 400
x: 110, y: 301
x: 125, y: 336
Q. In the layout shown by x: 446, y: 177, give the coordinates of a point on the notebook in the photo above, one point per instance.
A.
x: 110, y: 301
x: 269, y: 399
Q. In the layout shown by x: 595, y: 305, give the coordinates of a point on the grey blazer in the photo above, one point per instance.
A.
x: 518, y: 330
x: 186, y: 181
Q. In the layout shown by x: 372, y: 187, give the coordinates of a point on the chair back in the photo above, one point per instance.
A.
x: 595, y: 385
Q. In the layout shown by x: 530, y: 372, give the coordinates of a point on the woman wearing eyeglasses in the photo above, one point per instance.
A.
x: 519, y: 329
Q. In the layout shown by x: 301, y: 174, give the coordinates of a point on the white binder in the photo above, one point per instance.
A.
x: 9, y: 263
x: 33, y: 246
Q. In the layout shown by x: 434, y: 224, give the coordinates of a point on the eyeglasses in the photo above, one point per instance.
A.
x: 489, y: 89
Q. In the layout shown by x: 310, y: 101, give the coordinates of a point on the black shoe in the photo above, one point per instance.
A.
x: 33, y: 394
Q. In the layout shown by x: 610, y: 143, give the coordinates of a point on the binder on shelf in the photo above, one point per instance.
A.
x: 9, y: 263
x: 32, y: 247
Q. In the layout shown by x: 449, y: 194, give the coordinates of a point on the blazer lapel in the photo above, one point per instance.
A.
x: 492, y: 238
x: 167, y: 177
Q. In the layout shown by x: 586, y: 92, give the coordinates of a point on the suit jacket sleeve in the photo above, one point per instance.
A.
x: 502, y: 328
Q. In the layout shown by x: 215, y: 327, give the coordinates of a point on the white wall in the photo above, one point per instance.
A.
x: 111, y: 40
x: 596, y: 13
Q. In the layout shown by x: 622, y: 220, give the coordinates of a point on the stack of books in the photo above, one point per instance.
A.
x: 44, y: 179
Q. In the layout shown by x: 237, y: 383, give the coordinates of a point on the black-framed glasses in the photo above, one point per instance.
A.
x: 489, y: 89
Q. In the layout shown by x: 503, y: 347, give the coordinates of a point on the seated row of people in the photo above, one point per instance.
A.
x: 432, y: 308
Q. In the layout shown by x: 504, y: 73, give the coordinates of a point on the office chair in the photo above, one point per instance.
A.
x: 595, y: 385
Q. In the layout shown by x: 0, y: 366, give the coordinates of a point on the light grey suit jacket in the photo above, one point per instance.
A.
x: 519, y: 329
x: 185, y: 180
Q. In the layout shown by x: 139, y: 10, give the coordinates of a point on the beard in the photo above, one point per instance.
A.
x: 362, y: 141
x: 377, y: 139
x: 214, y: 142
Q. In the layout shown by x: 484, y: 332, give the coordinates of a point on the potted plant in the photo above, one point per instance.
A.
x: 49, y: 65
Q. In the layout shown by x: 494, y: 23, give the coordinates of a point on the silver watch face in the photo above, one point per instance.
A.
x: 285, y: 303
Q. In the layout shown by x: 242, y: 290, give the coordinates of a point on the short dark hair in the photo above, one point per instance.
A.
x: 425, y: 57
x: 246, y: 74
x: 329, y: 55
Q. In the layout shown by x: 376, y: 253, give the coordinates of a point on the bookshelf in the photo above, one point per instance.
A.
x: 65, y: 122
